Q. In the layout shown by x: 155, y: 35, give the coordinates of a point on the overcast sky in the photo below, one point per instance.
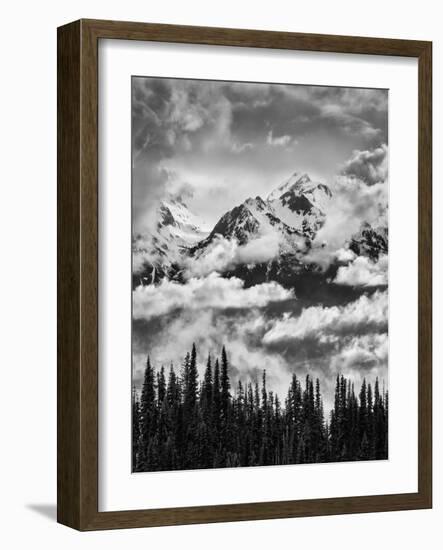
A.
x: 219, y: 140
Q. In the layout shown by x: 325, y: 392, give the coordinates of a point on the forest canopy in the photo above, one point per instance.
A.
x: 180, y: 422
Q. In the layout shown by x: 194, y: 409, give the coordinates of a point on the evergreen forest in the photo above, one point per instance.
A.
x: 180, y: 422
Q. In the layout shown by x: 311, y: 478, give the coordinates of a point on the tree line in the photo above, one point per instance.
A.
x: 179, y: 422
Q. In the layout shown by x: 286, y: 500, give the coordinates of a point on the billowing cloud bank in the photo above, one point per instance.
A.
x: 370, y: 167
x: 364, y: 272
x: 223, y: 254
x: 212, y: 291
x: 353, y: 203
x: 323, y: 341
x: 329, y: 324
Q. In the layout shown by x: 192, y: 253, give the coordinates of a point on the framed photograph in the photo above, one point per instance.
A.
x: 244, y: 275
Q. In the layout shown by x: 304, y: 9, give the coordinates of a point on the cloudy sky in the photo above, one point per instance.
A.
x: 218, y: 143
x: 226, y: 141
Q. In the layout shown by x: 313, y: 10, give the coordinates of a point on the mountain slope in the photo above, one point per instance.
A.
x: 159, y: 252
x: 370, y: 241
x: 301, y: 184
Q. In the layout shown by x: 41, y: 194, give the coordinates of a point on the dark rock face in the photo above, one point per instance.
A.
x: 296, y: 203
x: 371, y: 242
x: 166, y: 216
x: 239, y: 223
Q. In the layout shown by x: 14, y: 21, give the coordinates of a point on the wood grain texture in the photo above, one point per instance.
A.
x: 425, y: 274
x: 68, y: 275
x: 254, y: 38
x: 78, y: 272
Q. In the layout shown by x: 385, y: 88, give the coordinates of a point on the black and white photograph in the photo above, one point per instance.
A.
x: 219, y: 263
x: 259, y: 274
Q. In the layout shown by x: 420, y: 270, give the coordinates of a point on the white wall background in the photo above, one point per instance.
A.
x: 28, y: 273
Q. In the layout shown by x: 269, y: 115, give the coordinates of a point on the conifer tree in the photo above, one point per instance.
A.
x: 225, y: 385
x: 216, y: 398
x: 147, y: 417
x: 363, y: 411
x: 190, y: 412
x: 173, y: 389
x: 161, y: 385
x: 370, y: 428
x: 191, y: 384
x: 225, y: 398
x: 135, y: 431
x: 206, y: 392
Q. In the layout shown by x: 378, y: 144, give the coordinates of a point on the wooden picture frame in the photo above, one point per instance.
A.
x: 78, y: 274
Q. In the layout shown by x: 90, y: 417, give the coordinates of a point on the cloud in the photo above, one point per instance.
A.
x: 329, y: 323
x: 241, y: 147
x: 353, y: 204
x: 345, y: 255
x: 364, y: 352
x: 368, y: 166
x: 171, y: 118
x: 261, y: 249
x: 280, y: 141
x: 210, y: 330
x: 361, y: 357
x: 350, y: 113
x: 349, y: 341
x: 363, y: 272
x: 236, y: 135
x: 146, y: 198
x: 223, y: 254
x: 225, y: 139
x: 212, y: 291
x: 349, y: 124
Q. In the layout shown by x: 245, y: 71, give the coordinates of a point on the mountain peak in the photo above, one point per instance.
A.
x: 300, y: 184
x: 300, y: 178
x: 257, y: 203
x: 297, y: 183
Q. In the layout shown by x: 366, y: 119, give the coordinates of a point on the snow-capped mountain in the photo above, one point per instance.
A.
x: 242, y: 222
x: 318, y: 194
x: 301, y: 203
x: 249, y: 221
x: 179, y: 223
x: 159, y: 252
x: 290, y: 211
x: 289, y: 219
